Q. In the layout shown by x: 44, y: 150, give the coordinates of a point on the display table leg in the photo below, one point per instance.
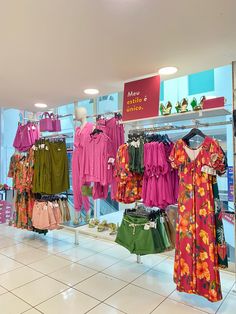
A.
x: 138, y: 259
x: 76, y: 237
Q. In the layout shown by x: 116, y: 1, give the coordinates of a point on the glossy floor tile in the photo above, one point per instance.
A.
x: 8, y: 264
x: 32, y: 311
x: 70, y: 302
x: 196, y: 301
x: 2, y: 290
x: 18, y: 277
x: 104, y: 309
x: 100, y: 286
x: 10, y: 304
x: 125, y: 270
x: 99, y: 261
x: 76, y: 253
x: 132, y: 299
x: 50, y: 264
x: 171, y: 306
x: 73, y: 274
x: 153, y: 280
x: 39, y: 290
x: 228, y: 305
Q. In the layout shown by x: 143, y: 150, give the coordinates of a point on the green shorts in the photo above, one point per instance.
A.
x: 132, y: 235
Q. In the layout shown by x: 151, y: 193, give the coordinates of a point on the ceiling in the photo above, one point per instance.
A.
x: 51, y: 50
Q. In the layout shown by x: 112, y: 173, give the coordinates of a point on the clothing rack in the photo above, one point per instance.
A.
x: 72, y: 115
x: 57, y: 136
x: 31, y: 120
x: 173, y: 127
x: 91, y: 116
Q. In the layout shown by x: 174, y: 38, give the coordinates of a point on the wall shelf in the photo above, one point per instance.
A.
x: 178, y: 117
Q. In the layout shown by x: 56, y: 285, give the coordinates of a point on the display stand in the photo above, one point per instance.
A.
x: 73, y: 228
x: 164, y: 124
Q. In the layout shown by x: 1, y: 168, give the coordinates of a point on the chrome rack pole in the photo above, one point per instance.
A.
x: 183, y: 127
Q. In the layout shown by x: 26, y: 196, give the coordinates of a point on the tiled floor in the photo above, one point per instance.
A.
x: 49, y: 274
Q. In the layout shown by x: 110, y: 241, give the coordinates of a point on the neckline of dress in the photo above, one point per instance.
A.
x: 199, y: 149
x: 192, y: 148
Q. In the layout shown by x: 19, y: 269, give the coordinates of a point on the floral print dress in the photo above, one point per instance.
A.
x: 196, y: 259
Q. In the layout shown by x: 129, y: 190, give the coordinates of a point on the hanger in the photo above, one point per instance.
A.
x: 193, y: 133
x: 96, y: 131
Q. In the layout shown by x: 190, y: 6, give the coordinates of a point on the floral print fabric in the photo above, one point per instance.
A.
x: 128, y: 184
x: 21, y: 171
x: 196, y: 259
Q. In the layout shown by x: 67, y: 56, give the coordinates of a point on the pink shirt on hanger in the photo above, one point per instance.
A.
x: 97, y: 154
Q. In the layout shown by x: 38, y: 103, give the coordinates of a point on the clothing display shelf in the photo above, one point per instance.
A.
x: 178, y: 117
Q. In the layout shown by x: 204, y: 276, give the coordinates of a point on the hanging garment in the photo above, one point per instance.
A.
x: 51, y: 172
x: 196, y: 260
x: 158, y: 185
x: 26, y: 136
x: 143, y: 236
x: 21, y: 171
x: 136, y: 149
x: 114, y: 130
x: 23, y: 210
x: 128, y: 185
x: 98, y: 152
x: 82, y: 136
x: 220, y: 236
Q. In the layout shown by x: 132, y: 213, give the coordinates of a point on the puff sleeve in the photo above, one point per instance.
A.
x: 217, y: 157
x: 177, y: 157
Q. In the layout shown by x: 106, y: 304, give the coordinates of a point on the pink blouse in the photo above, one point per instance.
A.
x: 97, y: 162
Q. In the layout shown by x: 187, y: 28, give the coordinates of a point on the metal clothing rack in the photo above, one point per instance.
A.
x: 91, y: 116
x: 174, y: 127
x: 57, y: 136
x: 196, y: 123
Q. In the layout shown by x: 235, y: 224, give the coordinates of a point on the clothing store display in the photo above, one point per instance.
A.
x: 26, y: 135
x: 51, y: 173
x: 128, y: 184
x: 143, y: 232
x: 196, y: 258
x: 82, y: 136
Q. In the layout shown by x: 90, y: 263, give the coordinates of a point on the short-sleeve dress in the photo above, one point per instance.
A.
x: 196, y: 261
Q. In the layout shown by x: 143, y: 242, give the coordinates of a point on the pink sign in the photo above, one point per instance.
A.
x: 141, y: 99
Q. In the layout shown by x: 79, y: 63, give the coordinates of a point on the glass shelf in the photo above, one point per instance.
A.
x: 178, y: 117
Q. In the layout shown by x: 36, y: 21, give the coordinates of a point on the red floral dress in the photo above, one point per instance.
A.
x: 196, y: 261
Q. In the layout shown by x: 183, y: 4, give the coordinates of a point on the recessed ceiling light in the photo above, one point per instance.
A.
x: 39, y: 105
x: 91, y: 91
x: 167, y: 70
